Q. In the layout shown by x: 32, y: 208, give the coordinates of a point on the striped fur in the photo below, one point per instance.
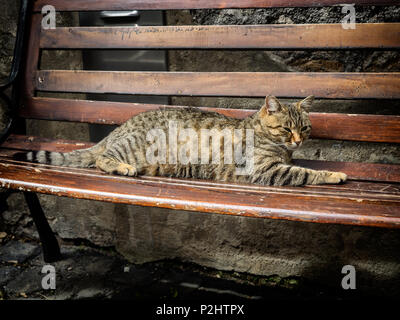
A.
x: 85, y: 158
x: 278, y: 131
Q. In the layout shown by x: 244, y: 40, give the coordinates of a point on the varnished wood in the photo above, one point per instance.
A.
x: 323, y: 208
x: 311, y: 36
x: 370, y: 190
x: 354, y: 127
x: 93, y: 5
x: 360, y: 189
x: 32, y: 57
x: 27, y: 143
x: 358, y: 127
x: 242, y: 84
x: 355, y: 171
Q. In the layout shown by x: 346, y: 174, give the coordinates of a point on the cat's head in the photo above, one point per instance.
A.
x: 287, y: 125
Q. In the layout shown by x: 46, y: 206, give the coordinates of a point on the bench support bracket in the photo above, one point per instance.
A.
x: 51, y: 249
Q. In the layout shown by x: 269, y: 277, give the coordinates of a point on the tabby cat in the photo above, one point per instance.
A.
x: 276, y: 129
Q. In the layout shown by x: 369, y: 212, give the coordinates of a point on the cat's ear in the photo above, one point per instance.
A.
x: 271, y: 105
x: 306, y: 103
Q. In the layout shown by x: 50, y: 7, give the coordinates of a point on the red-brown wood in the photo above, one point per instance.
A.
x: 32, y: 56
x: 355, y: 127
x: 242, y: 84
x: 28, y: 143
x: 315, y: 36
x: 359, y: 127
x: 359, y: 189
x: 323, y: 208
x: 355, y: 171
x: 93, y: 5
x: 17, y: 143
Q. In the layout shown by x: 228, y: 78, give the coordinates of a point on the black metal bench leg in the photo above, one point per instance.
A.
x: 3, y: 200
x: 51, y: 249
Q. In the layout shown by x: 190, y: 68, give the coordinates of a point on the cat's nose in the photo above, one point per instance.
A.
x: 298, y: 142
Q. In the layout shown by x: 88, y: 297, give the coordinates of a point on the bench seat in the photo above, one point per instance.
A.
x: 358, y: 202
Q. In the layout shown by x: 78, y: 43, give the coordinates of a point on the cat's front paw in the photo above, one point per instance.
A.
x: 126, y: 170
x: 336, y: 177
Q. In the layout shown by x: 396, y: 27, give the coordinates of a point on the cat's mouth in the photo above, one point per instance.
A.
x: 294, y: 145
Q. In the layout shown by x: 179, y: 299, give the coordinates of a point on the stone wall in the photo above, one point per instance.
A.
x: 256, y: 246
x: 302, y: 61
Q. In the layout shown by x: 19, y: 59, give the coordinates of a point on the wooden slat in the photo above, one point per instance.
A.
x: 358, y: 127
x: 242, y: 84
x: 389, y: 187
x: 100, y: 112
x: 313, y: 36
x: 359, y: 189
x: 322, y: 208
x: 355, y: 171
x: 28, y: 143
x: 353, y: 127
x: 87, y: 5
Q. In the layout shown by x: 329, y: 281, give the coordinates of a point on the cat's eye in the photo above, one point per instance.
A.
x: 287, y: 129
x: 304, y: 128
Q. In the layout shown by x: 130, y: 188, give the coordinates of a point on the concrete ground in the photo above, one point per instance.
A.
x: 87, y: 272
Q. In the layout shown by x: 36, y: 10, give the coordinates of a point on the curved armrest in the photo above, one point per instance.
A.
x: 15, y: 69
x: 18, y: 48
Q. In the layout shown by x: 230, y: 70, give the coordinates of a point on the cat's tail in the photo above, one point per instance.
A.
x: 83, y: 158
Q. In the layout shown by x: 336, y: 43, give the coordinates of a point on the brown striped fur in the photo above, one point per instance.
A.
x: 278, y: 130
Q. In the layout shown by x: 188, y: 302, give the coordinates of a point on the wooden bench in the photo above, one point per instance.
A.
x: 371, y: 197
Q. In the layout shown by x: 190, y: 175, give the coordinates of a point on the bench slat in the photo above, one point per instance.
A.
x: 184, y: 195
x: 355, y: 171
x: 312, y: 36
x: 242, y: 84
x: 360, y: 189
x: 353, y: 127
x: 93, y: 5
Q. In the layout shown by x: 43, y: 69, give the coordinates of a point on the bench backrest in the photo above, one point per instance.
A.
x: 338, y: 85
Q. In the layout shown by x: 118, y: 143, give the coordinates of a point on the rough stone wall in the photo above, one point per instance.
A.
x: 302, y: 61
x: 256, y: 246
x: 343, y: 61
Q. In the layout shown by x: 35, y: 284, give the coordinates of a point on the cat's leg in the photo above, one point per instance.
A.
x: 111, y: 165
x: 119, y: 157
x: 284, y: 174
x: 321, y: 176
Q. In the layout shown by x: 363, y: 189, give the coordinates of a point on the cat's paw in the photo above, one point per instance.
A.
x: 336, y: 177
x: 126, y: 170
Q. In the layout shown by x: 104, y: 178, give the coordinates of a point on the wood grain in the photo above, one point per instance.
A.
x: 366, y: 189
x: 240, y: 84
x: 93, y: 5
x: 353, y: 127
x: 31, y: 63
x: 356, y: 171
x: 311, y: 36
x: 322, y: 208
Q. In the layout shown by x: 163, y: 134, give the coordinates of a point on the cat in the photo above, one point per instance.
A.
x: 277, y: 130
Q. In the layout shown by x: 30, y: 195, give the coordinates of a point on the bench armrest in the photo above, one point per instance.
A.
x: 18, y: 48
x: 15, y: 68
